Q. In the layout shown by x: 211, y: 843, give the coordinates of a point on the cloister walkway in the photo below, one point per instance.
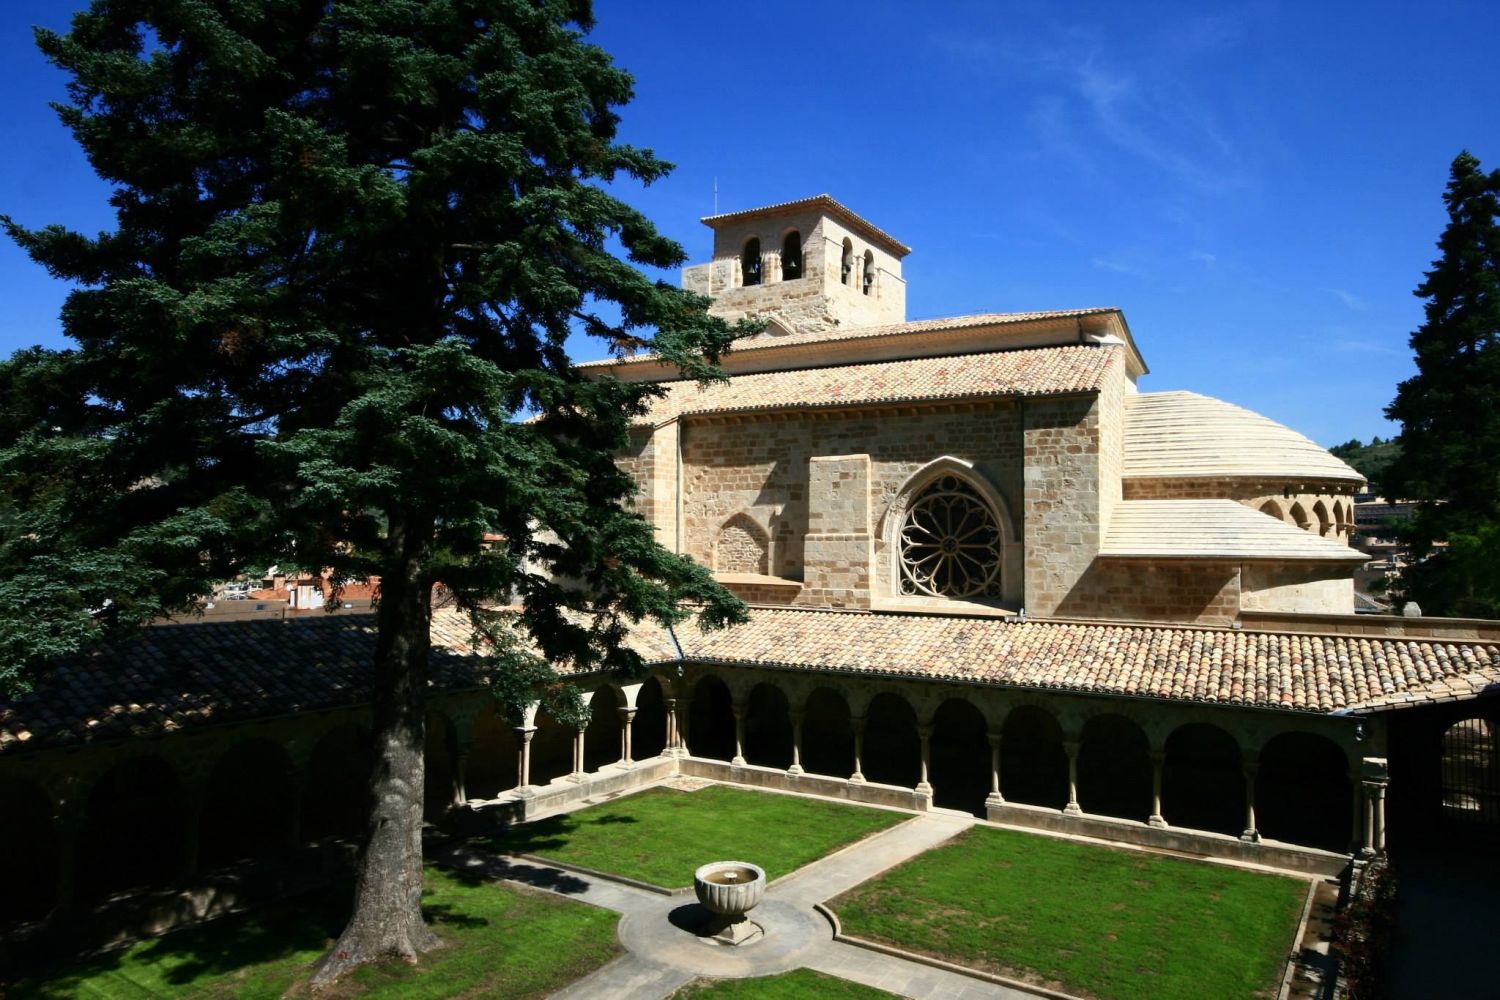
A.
x: 661, y: 957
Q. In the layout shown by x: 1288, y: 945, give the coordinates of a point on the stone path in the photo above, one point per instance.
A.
x: 662, y: 954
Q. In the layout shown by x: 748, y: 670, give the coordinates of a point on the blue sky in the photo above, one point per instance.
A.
x: 1257, y: 186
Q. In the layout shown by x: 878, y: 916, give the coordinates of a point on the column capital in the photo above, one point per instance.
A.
x: 924, y: 732
x: 1070, y: 747
x: 857, y: 723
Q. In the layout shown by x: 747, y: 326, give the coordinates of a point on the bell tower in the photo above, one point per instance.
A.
x: 805, y: 266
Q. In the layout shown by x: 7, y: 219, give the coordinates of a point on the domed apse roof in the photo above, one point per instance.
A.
x: 1179, y: 435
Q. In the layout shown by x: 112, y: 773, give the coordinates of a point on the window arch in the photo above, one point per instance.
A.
x: 869, y: 273
x: 846, y: 263
x: 1470, y: 760
x: 750, y: 262
x: 1273, y: 509
x: 791, y: 256
x: 1325, y: 523
x: 949, y: 543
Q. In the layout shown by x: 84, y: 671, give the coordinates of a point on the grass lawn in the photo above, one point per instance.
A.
x: 795, y: 985
x: 1114, y: 924
x: 662, y: 835
x: 500, y: 941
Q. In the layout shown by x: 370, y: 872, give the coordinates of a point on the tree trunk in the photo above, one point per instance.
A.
x: 387, y: 920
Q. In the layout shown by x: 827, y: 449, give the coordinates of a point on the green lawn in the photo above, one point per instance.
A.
x: 662, y: 835
x: 500, y: 941
x: 795, y: 985
x: 1120, y: 925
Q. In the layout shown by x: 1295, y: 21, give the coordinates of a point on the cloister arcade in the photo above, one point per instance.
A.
x: 113, y: 819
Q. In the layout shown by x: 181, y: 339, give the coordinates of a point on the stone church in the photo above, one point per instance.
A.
x: 986, y: 571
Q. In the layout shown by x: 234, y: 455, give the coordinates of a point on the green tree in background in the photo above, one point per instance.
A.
x: 1449, y: 460
x: 351, y: 240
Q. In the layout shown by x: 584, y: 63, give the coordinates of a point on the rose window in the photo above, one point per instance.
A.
x: 950, y: 543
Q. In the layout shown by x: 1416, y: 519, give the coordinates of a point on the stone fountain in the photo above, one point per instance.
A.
x: 729, y: 890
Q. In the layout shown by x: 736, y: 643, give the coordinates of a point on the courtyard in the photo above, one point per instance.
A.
x: 862, y: 902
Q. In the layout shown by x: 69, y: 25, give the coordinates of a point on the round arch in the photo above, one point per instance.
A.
x: 768, y: 727
x: 960, y: 747
x: 750, y: 266
x: 604, y: 738
x: 249, y: 805
x: 827, y: 734
x: 1203, y: 780
x: 1272, y: 509
x: 711, y: 719
x: 893, y: 750
x: 133, y: 830
x: 969, y: 493
x: 29, y: 839
x: 791, y: 255
x: 494, y: 761
x: 1325, y: 522
x: 336, y: 798
x: 1114, y: 768
x: 1033, y: 763
x: 551, y: 749
x: 648, y: 730
x: 1303, y: 793
x: 1298, y: 516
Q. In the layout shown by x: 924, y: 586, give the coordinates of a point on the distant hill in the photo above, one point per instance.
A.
x: 1369, y: 460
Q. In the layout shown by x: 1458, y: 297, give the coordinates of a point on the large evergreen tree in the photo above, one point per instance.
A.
x: 1449, y: 459
x: 352, y: 237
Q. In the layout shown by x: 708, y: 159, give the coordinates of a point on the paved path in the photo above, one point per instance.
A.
x: 662, y: 953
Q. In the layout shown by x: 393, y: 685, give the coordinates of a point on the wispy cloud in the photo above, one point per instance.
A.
x: 1349, y: 299
x: 1203, y: 256
x: 1116, y: 265
x: 1351, y: 346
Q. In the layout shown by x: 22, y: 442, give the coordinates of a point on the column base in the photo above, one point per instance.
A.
x: 994, y: 799
x: 738, y: 762
x: 1158, y: 822
x: 1072, y: 809
x: 1250, y: 837
x: 924, y: 788
x: 856, y: 778
x: 578, y: 777
x: 678, y: 752
x: 795, y: 769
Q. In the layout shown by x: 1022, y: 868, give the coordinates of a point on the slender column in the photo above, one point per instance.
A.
x: 579, y: 774
x: 460, y: 774
x: 1158, y: 757
x: 739, y: 736
x: 1070, y: 747
x: 1377, y: 790
x: 994, y: 798
x: 1251, y: 834
x: 627, y: 716
x: 796, y: 767
x: 924, y: 733
x: 857, y: 723
x: 523, y: 737
x: 1374, y: 825
x: 674, y: 736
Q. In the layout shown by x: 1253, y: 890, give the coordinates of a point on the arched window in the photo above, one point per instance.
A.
x: 846, y: 263
x: 949, y: 543
x: 750, y: 262
x: 791, y: 256
x: 1273, y: 509
x: 1471, y: 772
x: 869, y: 275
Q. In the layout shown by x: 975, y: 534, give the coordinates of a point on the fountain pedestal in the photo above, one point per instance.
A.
x: 729, y: 890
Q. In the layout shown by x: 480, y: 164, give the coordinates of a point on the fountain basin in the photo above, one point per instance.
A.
x: 730, y: 888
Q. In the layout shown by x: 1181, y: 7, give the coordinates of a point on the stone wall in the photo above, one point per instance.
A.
x: 1308, y: 587
x: 1155, y: 591
x: 651, y: 460
x: 1062, y: 497
x: 838, y: 553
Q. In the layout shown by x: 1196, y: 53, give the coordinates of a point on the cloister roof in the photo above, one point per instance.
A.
x: 1038, y: 372
x: 179, y: 677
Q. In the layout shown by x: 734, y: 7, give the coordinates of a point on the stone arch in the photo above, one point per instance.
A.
x: 493, y: 765
x: 750, y: 266
x: 604, y: 738
x: 439, y: 770
x: 1469, y: 759
x: 1340, y: 518
x: 953, y: 475
x: 133, y: 828
x: 791, y: 255
x: 551, y: 749
x: 1303, y: 793
x: 711, y: 719
x: 846, y: 262
x: 249, y: 805
x: 867, y: 274
x: 768, y: 727
x: 1203, y: 780
x: 742, y: 546
x: 1325, y: 522
x: 1298, y: 516
x: 827, y: 734
x: 648, y: 730
x: 1033, y: 763
x: 336, y: 795
x: 1114, y: 767
x: 1273, y: 509
x: 893, y: 750
x: 960, y: 755
x: 29, y: 840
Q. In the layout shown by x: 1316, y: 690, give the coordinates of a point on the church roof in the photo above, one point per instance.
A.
x: 1044, y: 371
x: 1213, y: 529
x: 182, y: 677
x: 822, y: 202
x: 1180, y: 435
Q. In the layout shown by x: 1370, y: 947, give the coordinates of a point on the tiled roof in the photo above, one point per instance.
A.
x: 1042, y: 372
x: 1177, y: 435
x: 842, y: 334
x: 182, y: 677
x: 828, y: 204
x: 1277, y: 670
x: 1212, y: 529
